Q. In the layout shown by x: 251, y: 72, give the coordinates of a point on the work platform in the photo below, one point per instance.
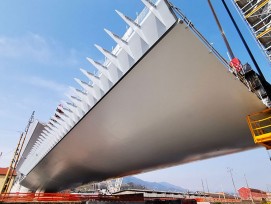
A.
x: 177, y: 103
x: 260, y: 127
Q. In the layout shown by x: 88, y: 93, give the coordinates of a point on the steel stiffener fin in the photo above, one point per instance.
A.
x: 160, y: 98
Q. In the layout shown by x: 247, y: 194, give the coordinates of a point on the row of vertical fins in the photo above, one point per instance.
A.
x: 149, y: 26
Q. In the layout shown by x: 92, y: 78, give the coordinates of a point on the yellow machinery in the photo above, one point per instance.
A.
x: 260, y: 127
x: 11, y: 170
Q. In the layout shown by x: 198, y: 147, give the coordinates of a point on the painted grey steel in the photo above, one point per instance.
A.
x: 178, y: 104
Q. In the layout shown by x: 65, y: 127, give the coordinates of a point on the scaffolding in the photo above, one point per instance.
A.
x: 257, y: 14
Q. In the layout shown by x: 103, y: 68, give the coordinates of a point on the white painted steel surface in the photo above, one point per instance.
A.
x: 178, y: 104
x: 155, y: 19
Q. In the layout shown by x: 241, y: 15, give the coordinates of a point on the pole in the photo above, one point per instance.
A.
x: 221, y: 30
x: 15, y: 159
x: 252, y: 201
x: 265, y: 84
x: 207, y: 186
x: 203, y: 189
x: 230, y: 171
x: 9, y: 176
x: 202, y: 186
x: 223, y: 193
x: 31, y: 119
x: 268, y: 155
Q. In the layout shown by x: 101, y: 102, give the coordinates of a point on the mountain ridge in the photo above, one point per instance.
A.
x: 130, y: 182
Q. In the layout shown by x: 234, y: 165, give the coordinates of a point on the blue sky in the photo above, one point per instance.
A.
x: 44, y: 43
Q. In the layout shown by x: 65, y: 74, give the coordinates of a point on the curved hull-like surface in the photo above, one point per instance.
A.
x: 176, y: 105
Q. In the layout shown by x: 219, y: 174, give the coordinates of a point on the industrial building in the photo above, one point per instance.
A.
x: 152, y: 194
x: 252, y: 194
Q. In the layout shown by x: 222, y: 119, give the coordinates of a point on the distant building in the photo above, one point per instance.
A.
x: 268, y: 196
x: 151, y: 194
x: 191, y: 196
x: 256, y: 194
x: 3, y: 172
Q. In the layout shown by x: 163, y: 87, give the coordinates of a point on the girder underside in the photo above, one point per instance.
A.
x: 176, y: 105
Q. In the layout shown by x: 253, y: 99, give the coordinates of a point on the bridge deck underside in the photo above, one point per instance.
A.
x: 178, y: 104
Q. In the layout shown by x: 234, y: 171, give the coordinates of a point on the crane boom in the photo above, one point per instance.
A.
x: 15, y: 159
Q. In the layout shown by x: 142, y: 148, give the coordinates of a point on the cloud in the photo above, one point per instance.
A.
x: 30, y: 93
x: 45, y: 84
x: 41, y: 83
x: 38, y: 49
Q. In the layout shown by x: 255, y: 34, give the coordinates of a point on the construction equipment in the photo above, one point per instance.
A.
x: 260, y: 127
x: 254, y: 82
x: 259, y: 123
x: 11, y: 170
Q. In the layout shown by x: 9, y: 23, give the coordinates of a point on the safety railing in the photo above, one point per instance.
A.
x: 65, y: 197
x: 257, y: 8
x: 260, y: 127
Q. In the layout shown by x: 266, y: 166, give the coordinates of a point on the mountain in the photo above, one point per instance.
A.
x: 133, y: 182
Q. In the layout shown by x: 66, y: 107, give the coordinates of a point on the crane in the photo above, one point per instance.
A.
x: 11, y: 170
x: 259, y: 123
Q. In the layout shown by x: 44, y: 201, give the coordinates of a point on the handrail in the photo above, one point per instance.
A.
x: 64, y: 197
x: 260, y: 127
x: 200, y: 36
x: 263, y: 127
x: 264, y: 32
x: 261, y: 120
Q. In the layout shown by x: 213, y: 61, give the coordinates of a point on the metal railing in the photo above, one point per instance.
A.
x: 260, y: 127
x: 200, y: 36
x: 65, y: 197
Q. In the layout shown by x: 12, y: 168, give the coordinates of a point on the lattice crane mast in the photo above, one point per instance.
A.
x: 16, y: 156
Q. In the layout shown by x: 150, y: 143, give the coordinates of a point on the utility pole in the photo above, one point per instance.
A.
x: 230, y: 171
x: 268, y: 191
x: 252, y: 201
x: 202, y: 186
x: 207, y: 186
x: 223, y: 193
x: 268, y: 154
x: 203, y: 189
